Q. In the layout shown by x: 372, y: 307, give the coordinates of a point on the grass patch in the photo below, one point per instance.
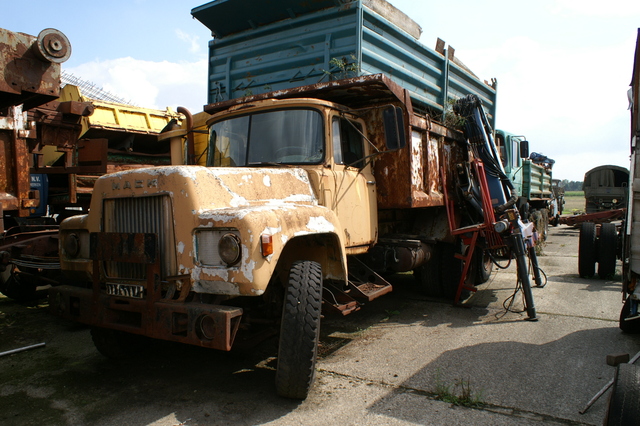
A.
x: 458, y: 393
x: 574, y: 202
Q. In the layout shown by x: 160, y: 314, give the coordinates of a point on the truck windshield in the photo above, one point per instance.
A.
x: 290, y: 136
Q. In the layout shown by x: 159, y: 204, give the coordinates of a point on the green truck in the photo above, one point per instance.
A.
x: 530, y: 174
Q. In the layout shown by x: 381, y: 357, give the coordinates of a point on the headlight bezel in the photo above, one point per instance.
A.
x: 208, y: 247
x: 74, y: 244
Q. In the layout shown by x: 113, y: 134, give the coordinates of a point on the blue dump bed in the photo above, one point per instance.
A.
x: 261, y: 46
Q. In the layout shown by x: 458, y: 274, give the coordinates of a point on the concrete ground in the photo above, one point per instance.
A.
x: 384, y: 365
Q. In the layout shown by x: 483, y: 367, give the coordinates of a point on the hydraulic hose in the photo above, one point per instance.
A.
x: 480, y: 136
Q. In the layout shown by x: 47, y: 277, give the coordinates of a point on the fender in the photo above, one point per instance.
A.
x: 296, y: 231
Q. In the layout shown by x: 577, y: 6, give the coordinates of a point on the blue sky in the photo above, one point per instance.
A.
x: 563, y: 66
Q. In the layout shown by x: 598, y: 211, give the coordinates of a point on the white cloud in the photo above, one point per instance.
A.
x: 149, y: 84
x: 571, y: 105
x: 574, y: 166
x: 193, y: 41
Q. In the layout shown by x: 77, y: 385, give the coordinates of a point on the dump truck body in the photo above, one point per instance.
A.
x: 297, y: 43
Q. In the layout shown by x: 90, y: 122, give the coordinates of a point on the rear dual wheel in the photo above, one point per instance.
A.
x: 607, y: 250
x: 587, y: 250
x: 440, y: 276
x: 602, y: 250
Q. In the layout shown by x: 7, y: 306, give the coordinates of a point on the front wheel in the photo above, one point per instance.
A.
x: 299, y: 330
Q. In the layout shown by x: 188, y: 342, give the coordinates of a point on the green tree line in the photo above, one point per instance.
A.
x: 571, y: 185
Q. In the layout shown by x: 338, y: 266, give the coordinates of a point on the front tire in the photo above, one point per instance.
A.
x: 299, y: 330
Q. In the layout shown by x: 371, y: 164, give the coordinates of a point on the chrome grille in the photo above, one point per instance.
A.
x: 141, y: 214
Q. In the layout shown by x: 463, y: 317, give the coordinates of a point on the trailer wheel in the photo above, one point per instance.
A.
x: 115, y: 344
x: 299, y: 330
x: 607, y: 250
x: 12, y: 286
x: 624, y: 402
x: 587, y: 250
x: 630, y: 327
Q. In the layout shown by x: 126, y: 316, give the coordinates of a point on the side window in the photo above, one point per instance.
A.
x: 501, y: 148
x: 347, y: 142
x: 515, y: 153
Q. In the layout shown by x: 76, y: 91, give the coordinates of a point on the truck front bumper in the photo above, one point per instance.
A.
x: 211, y: 326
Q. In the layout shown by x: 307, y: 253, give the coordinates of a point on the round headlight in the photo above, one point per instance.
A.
x: 229, y: 249
x: 501, y: 226
x: 72, y: 245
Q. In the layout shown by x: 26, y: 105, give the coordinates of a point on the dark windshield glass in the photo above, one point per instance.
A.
x: 285, y: 136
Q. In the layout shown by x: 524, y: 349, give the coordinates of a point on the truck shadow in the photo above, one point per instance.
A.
x: 548, y: 382
x: 173, y: 381
x: 594, y: 284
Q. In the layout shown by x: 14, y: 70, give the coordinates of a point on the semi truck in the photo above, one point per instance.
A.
x: 531, y: 176
x: 55, y: 142
x: 320, y: 164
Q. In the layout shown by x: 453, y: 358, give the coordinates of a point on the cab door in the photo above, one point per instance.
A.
x: 354, y: 197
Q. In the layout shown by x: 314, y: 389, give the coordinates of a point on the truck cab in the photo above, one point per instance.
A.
x: 321, y: 138
x: 531, y: 179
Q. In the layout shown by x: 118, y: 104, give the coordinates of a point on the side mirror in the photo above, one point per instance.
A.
x: 394, y: 128
x: 524, y: 149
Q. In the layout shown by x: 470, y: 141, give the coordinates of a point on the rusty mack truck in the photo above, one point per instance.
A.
x: 325, y: 163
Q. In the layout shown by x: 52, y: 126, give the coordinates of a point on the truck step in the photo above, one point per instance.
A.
x: 364, y: 283
x: 369, y: 291
x: 337, y: 301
